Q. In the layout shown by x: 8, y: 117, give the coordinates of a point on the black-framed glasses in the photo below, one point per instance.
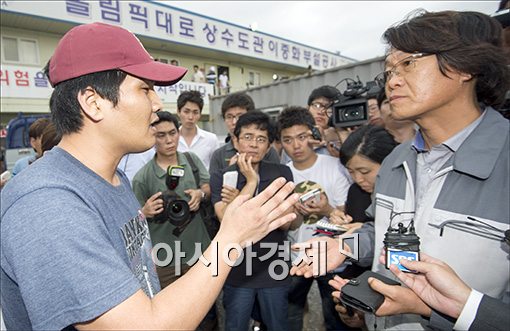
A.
x: 323, y: 108
x: 401, y: 68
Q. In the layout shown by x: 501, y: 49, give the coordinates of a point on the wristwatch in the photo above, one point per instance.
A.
x: 203, y: 194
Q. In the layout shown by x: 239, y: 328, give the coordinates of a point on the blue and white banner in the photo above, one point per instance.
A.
x: 167, y: 23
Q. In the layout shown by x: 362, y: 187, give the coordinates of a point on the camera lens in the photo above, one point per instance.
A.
x: 178, y: 212
x: 176, y: 208
x: 352, y: 113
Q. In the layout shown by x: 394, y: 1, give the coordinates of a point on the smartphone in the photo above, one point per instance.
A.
x: 313, y: 194
x: 6, y: 175
x: 316, y: 134
x: 230, y: 178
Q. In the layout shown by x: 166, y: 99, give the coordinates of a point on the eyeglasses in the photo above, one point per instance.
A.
x: 301, y: 138
x: 323, y: 108
x: 249, y: 137
x: 401, y: 68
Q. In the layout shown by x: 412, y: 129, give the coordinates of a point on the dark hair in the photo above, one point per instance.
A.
x: 50, y: 137
x: 36, y: 129
x: 370, y: 141
x: 326, y: 91
x: 65, y: 109
x: 294, y: 115
x: 258, y: 118
x: 165, y: 116
x: 241, y: 100
x: 381, y: 96
x: 190, y: 96
x: 468, y: 42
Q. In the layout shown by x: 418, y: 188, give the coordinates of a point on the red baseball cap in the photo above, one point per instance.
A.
x: 97, y: 47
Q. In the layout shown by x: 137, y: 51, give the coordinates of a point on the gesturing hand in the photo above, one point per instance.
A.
x: 246, y: 221
x: 328, y: 251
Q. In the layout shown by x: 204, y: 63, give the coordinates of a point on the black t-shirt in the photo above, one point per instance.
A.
x: 260, y: 277
x: 357, y: 202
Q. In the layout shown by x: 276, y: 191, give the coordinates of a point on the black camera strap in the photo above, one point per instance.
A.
x: 194, y: 168
x: 211, y: 223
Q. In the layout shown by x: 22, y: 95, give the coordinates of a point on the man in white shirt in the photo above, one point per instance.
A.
x: 294, y: 125
x: 132, y: 162
x: 223, y: 82
x: 198, y: 75
x: 192, y: 138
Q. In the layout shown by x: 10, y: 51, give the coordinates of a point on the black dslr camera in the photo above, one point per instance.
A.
x: 350, y: 107
x: 175, y: 210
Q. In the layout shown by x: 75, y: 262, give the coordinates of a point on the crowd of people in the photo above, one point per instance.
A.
x: 130, y: 216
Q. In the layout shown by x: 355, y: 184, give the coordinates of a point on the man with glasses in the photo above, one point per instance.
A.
x: 320, y: 104
x: 232, y: 108
x: 447, y: 72
x: 192, y: 138
x: 253, y: 279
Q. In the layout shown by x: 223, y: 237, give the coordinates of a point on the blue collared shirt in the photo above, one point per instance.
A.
x: 429, y: 162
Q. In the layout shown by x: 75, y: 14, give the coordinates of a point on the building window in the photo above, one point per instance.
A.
x: 254, y: 78
x: 20, y: 50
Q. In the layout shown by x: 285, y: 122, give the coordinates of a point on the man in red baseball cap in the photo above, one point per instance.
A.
x: 75, y: 248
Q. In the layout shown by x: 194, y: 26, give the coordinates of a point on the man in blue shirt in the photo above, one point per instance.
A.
x: 75, y: 249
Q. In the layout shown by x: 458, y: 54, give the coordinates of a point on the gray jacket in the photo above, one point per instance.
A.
x: 473, y: 183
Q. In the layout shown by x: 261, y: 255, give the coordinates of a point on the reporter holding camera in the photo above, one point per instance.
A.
x: 171, y: 199
x: 151, y: 188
